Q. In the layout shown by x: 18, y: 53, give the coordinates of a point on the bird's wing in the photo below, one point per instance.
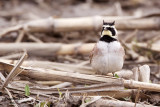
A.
x: 92, y: 53
x: 122, y: 51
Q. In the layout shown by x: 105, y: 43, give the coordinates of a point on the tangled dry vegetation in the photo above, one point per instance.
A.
x: 45, y: 46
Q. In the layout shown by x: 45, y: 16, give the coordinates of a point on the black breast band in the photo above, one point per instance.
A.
x: 107, y: 39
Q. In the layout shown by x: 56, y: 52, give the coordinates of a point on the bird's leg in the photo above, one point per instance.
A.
x: 113, y: 74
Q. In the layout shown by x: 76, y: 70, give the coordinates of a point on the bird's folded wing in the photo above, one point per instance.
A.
x: 122, y: 51
x: 94, y: 51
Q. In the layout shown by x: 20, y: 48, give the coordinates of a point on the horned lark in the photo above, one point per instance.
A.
x: 108, y: 54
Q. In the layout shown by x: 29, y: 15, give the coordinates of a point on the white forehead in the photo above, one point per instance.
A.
x: 107, y: 26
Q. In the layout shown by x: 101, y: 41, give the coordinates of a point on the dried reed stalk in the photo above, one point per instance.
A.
x: 50, y: 49
x: 127, y: 74
x: 47, y: 49
x: 84, y: 23
x: 46, y: 74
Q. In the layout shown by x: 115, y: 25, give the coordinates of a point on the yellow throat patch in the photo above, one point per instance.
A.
x: 107, y: 32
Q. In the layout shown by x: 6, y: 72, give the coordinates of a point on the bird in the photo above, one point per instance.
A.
x: 108, y: 54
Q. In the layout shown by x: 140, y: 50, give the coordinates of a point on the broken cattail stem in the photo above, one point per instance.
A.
x: 142, y: 85
x: 144, y: 73
x: 47, y: 74
x: 50, y: 49
x: 47, y: 49
x: 84, y: 23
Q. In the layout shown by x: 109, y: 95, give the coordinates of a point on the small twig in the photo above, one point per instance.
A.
x: 11, y: 56
x: 14, y: 71
x: 26, y: 100
x: 137, y: 97
x: 20, y: 36
x: 61, y: 85
x: 30, y: 36
x: 10, y: 95
x: 2, y: 77
x: 94, y: 100
x: 111, y: 98
x: 34, y: 93
x: 10, y: 29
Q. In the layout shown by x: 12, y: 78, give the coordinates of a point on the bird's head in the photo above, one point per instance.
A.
x: 108, y: 29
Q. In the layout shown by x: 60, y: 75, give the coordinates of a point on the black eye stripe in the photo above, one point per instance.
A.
x: 112, y: 30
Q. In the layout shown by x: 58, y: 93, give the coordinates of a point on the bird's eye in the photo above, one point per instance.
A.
x: 109, y: 28
x: 113, y: 31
